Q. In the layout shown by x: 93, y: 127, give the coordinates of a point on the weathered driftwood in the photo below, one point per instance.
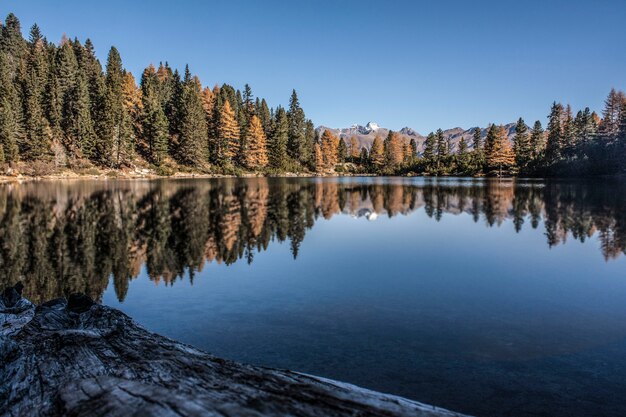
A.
x: 78, y: 358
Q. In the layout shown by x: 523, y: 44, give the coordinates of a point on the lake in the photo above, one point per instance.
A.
x: 489, y: 297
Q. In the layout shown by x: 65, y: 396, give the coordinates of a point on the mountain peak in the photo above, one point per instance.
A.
x: 372, y: 126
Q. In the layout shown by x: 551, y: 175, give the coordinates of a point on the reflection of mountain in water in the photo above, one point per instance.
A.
x: 62, y: 238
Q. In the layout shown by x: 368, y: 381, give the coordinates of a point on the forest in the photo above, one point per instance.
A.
x: 61, y: 110
x: 73, y: 237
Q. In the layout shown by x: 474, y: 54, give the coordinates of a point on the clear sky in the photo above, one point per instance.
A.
x: 423, y: 64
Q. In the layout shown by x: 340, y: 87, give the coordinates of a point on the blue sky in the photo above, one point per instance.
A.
x: 423, y: 64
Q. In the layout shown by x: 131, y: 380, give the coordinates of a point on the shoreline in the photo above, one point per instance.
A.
x: 76, y: 357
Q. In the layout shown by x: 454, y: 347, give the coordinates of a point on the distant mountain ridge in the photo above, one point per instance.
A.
x: 365, y: 134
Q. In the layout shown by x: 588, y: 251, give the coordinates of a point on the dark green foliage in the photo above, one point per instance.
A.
x: 430, y: 147
x: 521, y: 144
x: 537, y: 141
x: 10, y: 122
x: 342, y: 151
x: 554, y: 143
x: 297, y: 147
x: 192, y: 148
x: 279, y: 140
x: 79, y: 124
x: 154, y: 122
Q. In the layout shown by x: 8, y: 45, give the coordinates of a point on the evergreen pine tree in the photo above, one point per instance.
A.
x: 342, y: 151
x: 297, y: 145
x: 377, y: 153
x: 430, y: 147
x: 554, y: 143
x: 192, y: 147
x: 537, y: 140
x: 154, y: 122
x: 521, y: 144
x: 279, y: 139
x: 478, y: 152
x: 10, y: 129
x: 462, y: 156
x: 80, y: 126
x: 412, y: 149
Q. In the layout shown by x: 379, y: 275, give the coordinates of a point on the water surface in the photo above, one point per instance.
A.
x: 486, y: 297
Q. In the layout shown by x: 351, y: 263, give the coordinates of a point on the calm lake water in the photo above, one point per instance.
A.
x: 485, y: 297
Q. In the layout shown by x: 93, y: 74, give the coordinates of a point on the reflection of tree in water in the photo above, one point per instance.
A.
x: 74, y: 238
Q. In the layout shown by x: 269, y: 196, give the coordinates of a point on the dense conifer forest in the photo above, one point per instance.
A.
x: 60, y: 109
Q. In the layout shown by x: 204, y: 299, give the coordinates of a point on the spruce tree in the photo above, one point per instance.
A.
x: 154, y: 122
x: 10, y: 129
x: 309, y: 142
x: 554, y: 143
x: 279, y: 139
x: 521, y: 144
x: 412, y: 149
x: 297, y: 144
x: 342, y: 151
x: 442, y: 148
x: 430, y: 147
x: 36, y: 145
x: 537, y: 140
x: 569, y: 140
x: 192, y: 148
x: 478, y: 152
x: 364, y: 156
x: 115, y: 126
x: 377, y: 153
x: 462, y: 156
x: 80, y: 127
x: 266, y: 118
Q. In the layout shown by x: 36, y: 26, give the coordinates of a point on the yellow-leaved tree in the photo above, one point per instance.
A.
x: 502, y: 155
x: 256, y: 153
x: 329, y: 146
x: 228, y: 133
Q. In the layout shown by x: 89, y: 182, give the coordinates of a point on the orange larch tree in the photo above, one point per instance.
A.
x: 256, y: 153
x: 329, y: 145
x: 228, y: 134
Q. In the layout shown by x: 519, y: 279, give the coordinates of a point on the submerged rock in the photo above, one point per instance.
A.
x: 79, y: 358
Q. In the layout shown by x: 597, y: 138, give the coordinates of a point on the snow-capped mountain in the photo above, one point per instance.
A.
x: 365, y: 134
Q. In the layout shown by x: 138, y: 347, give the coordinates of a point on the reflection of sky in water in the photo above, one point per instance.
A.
x: 462, y: 312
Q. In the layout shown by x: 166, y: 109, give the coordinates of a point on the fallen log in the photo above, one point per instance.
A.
x: 78, y: 358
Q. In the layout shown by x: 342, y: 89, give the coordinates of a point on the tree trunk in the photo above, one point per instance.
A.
x: 82, y: 359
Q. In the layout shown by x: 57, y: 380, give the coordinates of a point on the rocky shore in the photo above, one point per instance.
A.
x: 78, y: 358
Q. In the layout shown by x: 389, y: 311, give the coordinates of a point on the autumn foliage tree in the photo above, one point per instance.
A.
x: 228, y: 134
x: 328, y: 146
x: 394, y: 150
x: 256, y: 153
x: 501, y: 156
